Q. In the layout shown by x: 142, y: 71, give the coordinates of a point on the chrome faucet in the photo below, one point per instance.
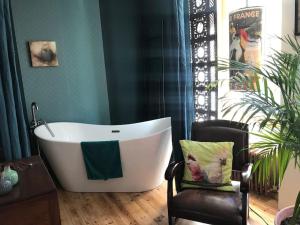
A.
x: 34, y: 108
x: 35, y: 122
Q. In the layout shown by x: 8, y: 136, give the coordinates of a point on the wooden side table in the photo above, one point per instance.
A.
x: 34, y: 199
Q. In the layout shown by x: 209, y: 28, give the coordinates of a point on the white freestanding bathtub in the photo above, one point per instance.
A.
x: 145, y: 150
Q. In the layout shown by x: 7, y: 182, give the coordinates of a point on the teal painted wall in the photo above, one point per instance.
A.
x: 76, y: 90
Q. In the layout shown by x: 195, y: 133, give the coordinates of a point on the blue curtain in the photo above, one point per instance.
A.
x: 180, y: 71
x: 14, y: 136
x: 169, y: 80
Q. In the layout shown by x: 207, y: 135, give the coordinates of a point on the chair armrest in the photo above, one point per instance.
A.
x: 245, y: 177
x: 172, y: 169
x: 171, y: 172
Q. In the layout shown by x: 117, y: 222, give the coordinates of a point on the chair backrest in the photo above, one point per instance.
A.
x: 224, y: 130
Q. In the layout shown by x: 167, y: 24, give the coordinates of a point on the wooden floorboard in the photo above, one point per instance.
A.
x: 148, y: 208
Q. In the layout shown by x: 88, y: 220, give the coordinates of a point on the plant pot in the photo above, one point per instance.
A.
x: 283, y: 214
x: 290, y: 186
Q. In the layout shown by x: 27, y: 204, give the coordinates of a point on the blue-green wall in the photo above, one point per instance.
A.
x: 76, y: 90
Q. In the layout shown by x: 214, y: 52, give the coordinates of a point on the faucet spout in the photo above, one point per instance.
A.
x: 34, y: 109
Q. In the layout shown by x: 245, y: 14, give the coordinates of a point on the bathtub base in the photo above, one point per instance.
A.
x: 109, y: 186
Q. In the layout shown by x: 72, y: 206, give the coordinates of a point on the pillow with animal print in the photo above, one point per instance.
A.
x: 208, y: 165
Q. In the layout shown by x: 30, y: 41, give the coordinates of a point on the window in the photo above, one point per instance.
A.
x: 203, y: 24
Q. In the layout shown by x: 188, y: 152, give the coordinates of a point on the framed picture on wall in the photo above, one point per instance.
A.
x: 245, y: 42
x: 297, y: 18
x: 43, y: 53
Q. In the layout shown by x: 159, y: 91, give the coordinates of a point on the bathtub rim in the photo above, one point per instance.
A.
x: 125, y: 140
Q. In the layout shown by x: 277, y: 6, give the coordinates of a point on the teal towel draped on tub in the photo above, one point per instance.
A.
x: 102, y: 159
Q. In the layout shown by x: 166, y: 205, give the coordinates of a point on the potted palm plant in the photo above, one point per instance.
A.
x: 278, y: 122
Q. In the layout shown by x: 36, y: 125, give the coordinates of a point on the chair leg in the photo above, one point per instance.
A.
x: 245, y: 208
x: 170, y: 220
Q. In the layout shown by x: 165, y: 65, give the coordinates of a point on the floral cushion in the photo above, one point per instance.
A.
x: 207, y: 165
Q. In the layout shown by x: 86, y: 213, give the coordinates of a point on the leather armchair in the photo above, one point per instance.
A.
x: 210, y: 206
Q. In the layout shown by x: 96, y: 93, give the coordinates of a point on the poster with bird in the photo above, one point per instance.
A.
x: 245, y: 41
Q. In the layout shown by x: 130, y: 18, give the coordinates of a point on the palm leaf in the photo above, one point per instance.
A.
x: 279, y: 123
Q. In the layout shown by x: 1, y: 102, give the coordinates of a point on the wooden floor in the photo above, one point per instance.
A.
x: 147, y: 208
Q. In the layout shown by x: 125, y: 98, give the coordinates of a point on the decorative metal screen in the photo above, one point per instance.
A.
x: 203, y: 24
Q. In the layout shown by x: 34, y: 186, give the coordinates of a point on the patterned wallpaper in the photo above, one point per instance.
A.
x: 76, y: 90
